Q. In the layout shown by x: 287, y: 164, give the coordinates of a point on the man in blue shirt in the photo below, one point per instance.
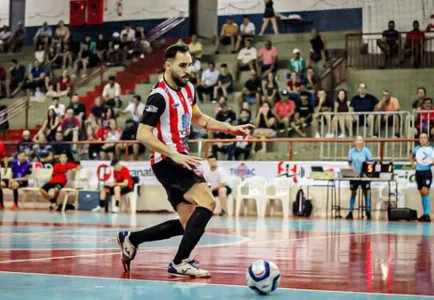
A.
x: 364, y: 103
x: 356, y: 157
x: 21, y: 169
x: 423, y: 157
x: 36, y: 78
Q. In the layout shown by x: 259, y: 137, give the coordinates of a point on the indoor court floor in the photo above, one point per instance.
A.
x: 70, y: 256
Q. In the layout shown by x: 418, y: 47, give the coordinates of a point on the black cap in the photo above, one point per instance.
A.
x: 114, y: 162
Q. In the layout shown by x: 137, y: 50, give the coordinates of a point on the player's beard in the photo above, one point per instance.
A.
x: 179, y: 81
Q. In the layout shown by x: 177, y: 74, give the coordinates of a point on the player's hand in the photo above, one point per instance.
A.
x: 241, y: 130
x: 187, y: 161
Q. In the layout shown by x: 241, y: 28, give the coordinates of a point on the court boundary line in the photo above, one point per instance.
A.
x: 215, y: 284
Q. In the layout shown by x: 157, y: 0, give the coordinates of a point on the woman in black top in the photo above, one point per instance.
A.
x: 265, y: 123
x: 269, y: 15
x: 271, y: 94
x: 102, y: 46
x: 342, y: 105
x: 318, y: 50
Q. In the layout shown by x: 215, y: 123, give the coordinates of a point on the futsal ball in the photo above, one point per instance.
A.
x: 263, y: 277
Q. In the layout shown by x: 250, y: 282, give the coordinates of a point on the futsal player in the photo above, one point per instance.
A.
x: 170, y: 111
x: 423, y: 173
x: 21, y: 169
x: 58, y: 179
x: 356, y: 157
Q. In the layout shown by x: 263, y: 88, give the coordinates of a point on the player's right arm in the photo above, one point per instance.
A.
x: 155, y: 107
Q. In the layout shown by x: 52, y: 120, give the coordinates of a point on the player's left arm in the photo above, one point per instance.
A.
x: 123, y: 183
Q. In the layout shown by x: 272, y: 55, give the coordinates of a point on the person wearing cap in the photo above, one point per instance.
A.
x: 115, y: 52
x: 122, y: 185
x: 303, y: 115
x: 285, y: 110
x: 130, y: 134
x: 298, y: 63
x: 112, y: 93
x: 135, y: 108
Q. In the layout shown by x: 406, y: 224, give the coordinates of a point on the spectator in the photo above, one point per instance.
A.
x: 389, y: 43
x: 43, y: 150
x: 52, y: 59
x: 269, y: 16
x: 4, y: 81
x: 59, y: 146
x: 388, y: 104
x: 246, y: 60
x: 127, y: 48
x: 268, y: 58
x: 67, y: 61
x: 216, y: 178
x: 58, y: 107
x: 78, y: 108
x: 64, y: 84
x: 3, y: 156
x: 195, y: 47
x: 247, y: 31
x: 115, y: 51
x: 425, y: 118
x: 36, y: 78
x: 342, y: 105
x: 112, y: 93
x: 40, y: 54
x: 294, y: 85
x: 5, y: 38
x: 265, y: 123
x: 129, y: 32
x: 142, y: 45
x: 421, y: 95
x: 61, y: 35
x: 285, y: 111
x: 109, y: 114
x: 97, y: 111
x: 323, y: 105
x: 111, y: 135
x: 414, y: 45
x: 70, y: 126
x: 298, y: 64
x: 43, y: 36
x: 83, y: 59
x: 225, y: 115
x: 17, y: 38
x: 271, y: 89
x: 91, y: 45
x: 227, y: 36
x: 243, y: 148
x: 251, y: 91
x: 364, y: 103
x: 130, y: 134
x: 102, y: 46
x: 224, y: 83
x: 135, y: 108
x: 50, y: 125
x: 303, y: 115
x: 318, y: 51
x: 18, y: 77
x: 312, y: 82
x: 94, y: 133
x: 196, y: 71
x: 26, y: 145
x: 209, y: 80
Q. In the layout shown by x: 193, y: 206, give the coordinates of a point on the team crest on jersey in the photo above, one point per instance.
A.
x: 185, y: 121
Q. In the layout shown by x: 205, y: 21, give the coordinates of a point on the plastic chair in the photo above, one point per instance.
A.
x: 130, y: 199
x: 383, y: 197
x: 251, y: 188
x: 38, y: 175
x: 233, y: 182
x: 5, y: 173
x: 279, y: 189
x: 80, y: 181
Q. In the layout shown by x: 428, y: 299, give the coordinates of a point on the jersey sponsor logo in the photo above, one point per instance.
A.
x: 151, y: 108
x: 243, y: 171
x: 425, y: 156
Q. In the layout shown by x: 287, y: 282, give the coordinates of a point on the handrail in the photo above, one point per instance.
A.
x: 156, y: 32
x: 166, y: 28
x: 330, y: 73
x: 15, y: 109
x: 81, y: 82
x: 156, y: 28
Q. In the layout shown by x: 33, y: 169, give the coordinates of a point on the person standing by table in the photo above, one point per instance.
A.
x: 422, y: 158
x: 356, y: 157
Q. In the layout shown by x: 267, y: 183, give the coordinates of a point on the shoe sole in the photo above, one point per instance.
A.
x: 124, y: 263
x: 188, y: 276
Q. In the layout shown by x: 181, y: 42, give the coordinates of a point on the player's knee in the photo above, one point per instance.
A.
x: 223, y: 191
x: 202, y: 197
x: 117, y: 189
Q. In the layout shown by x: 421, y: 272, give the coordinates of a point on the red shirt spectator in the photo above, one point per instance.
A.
x: 3, y: 73
x: 70, y: 123
x: 294, y: 86
x: 64, y: 83
x: 2, y: 151
x: 123, y: 174
x: 284, y: 108
x: 59, y: 172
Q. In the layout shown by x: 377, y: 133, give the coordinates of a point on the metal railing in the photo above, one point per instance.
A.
x: 335, y: 74
x: 16, y: 108
x: 365, y: 51
x: 423, y: 121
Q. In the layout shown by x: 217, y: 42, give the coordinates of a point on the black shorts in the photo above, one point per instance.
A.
x: 226, y: 40
x: 176, y: 180
x: 423, y: 179
x: 48, y: 186
x: 21, y: 184
x: 354, y: 185
x: 124, y: 190
x: 215, y: 193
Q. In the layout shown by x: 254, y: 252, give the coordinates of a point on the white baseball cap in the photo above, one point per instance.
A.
x: 296, y: 50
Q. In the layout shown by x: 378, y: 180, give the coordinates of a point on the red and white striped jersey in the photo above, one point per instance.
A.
x: 170, y: 111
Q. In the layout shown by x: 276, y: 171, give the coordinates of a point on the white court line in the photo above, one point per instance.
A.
x: 215, y: 284
x: 243, y: 241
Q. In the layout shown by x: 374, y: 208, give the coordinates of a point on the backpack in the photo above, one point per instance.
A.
x: 301, y: 206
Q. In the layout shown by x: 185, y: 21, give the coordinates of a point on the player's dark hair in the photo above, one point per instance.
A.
x: 422, y: 88
x: 223, y: 66
x: 114, y: 162
x: 427, y: 99
x: 171, y: 51
x: 138, y: 97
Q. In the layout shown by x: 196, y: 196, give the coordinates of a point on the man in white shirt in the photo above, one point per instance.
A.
x: 247, y: 31
x: 216, y: 178
x: 209, y: 80
x: 129, y: 32
x: 112, y: 93
x: 247, y: 59
x: 58, y: 108
x: 135, y: 108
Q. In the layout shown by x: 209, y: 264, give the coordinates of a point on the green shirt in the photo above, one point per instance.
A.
x: 298, y: 65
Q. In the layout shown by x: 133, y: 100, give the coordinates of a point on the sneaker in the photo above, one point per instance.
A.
x: 349, y: 216
x: 187, y: 268
x: 14, y: 206
x: 368, y: 215
x: 97, y: 209
x: 115, y: 210
x: 330, y: 135
x: 128, y: 251
x: 317, y: 135
x: 424, y: 218
x: 342, y: 135
x: 222, y: 213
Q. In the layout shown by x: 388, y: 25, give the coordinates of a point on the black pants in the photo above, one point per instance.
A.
x: 209, y: 90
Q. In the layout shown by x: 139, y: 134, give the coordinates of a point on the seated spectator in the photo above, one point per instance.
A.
x: 247, y: 31
x: 216, y: 178
x: 64, y: 84
x: 17, y: 38
x: 67, y: 61
x: 5, y: 38
x: 246, y: 60
x: 209, y: 80
x: 323, y: 104
x: 267, y: 57
x: 109, y: 114
x: 388, y: 104
x: 251, y: 91
x: 196, y: 71
x: 225, y: 115
x: 50, y: 125
x: 58, y: 107
x: 102, y: 46
x: 421, y: 95
x: 224, y: 83
x: 294, y: 85
x: 285, y: 111
x: 318, y: 51
x: 271, y: 89
x: 94, y: 133
x: 129, y: 32
x: 53, y: 60
x: 342, y: 105
x: 112, y: 93
x: 265, y: 123
x: 84, y: 59
x: 91, y: 45
x: 78, y: 108
x: 425, y: 118
x: 115, y: 50
x: 40, y: 54
x: 130, y: 134
x: 195, y: 47
x: 50, y: 86
x: 364, y: 103
x: 97, y: 111
x: 127, y: 48
x: 43, y: 36
x: 312, y: 82
x: 243, y: 148
x: 389, y: 43
x: 228, y: 35
x: 303, y: 114
x: 111, y: 135
x: 414, y: 46
x: 61, y: 35
x: 43, y: 150
x: 36, y: 78
x: 70, y: 126
x: 26, y: 145
x: 18, y: 77
x: 4, y: 82
x: 59, y: 146
x: 135, y: 108
x: 142, y: 45
x: 298, y: 64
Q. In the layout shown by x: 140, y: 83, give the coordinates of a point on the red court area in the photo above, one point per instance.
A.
x: 335, y: 261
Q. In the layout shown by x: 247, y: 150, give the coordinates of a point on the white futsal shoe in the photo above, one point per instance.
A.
x: 128, y: 251
x: 187, y: 268
x: 97, y: 209
x: 115, y: 210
